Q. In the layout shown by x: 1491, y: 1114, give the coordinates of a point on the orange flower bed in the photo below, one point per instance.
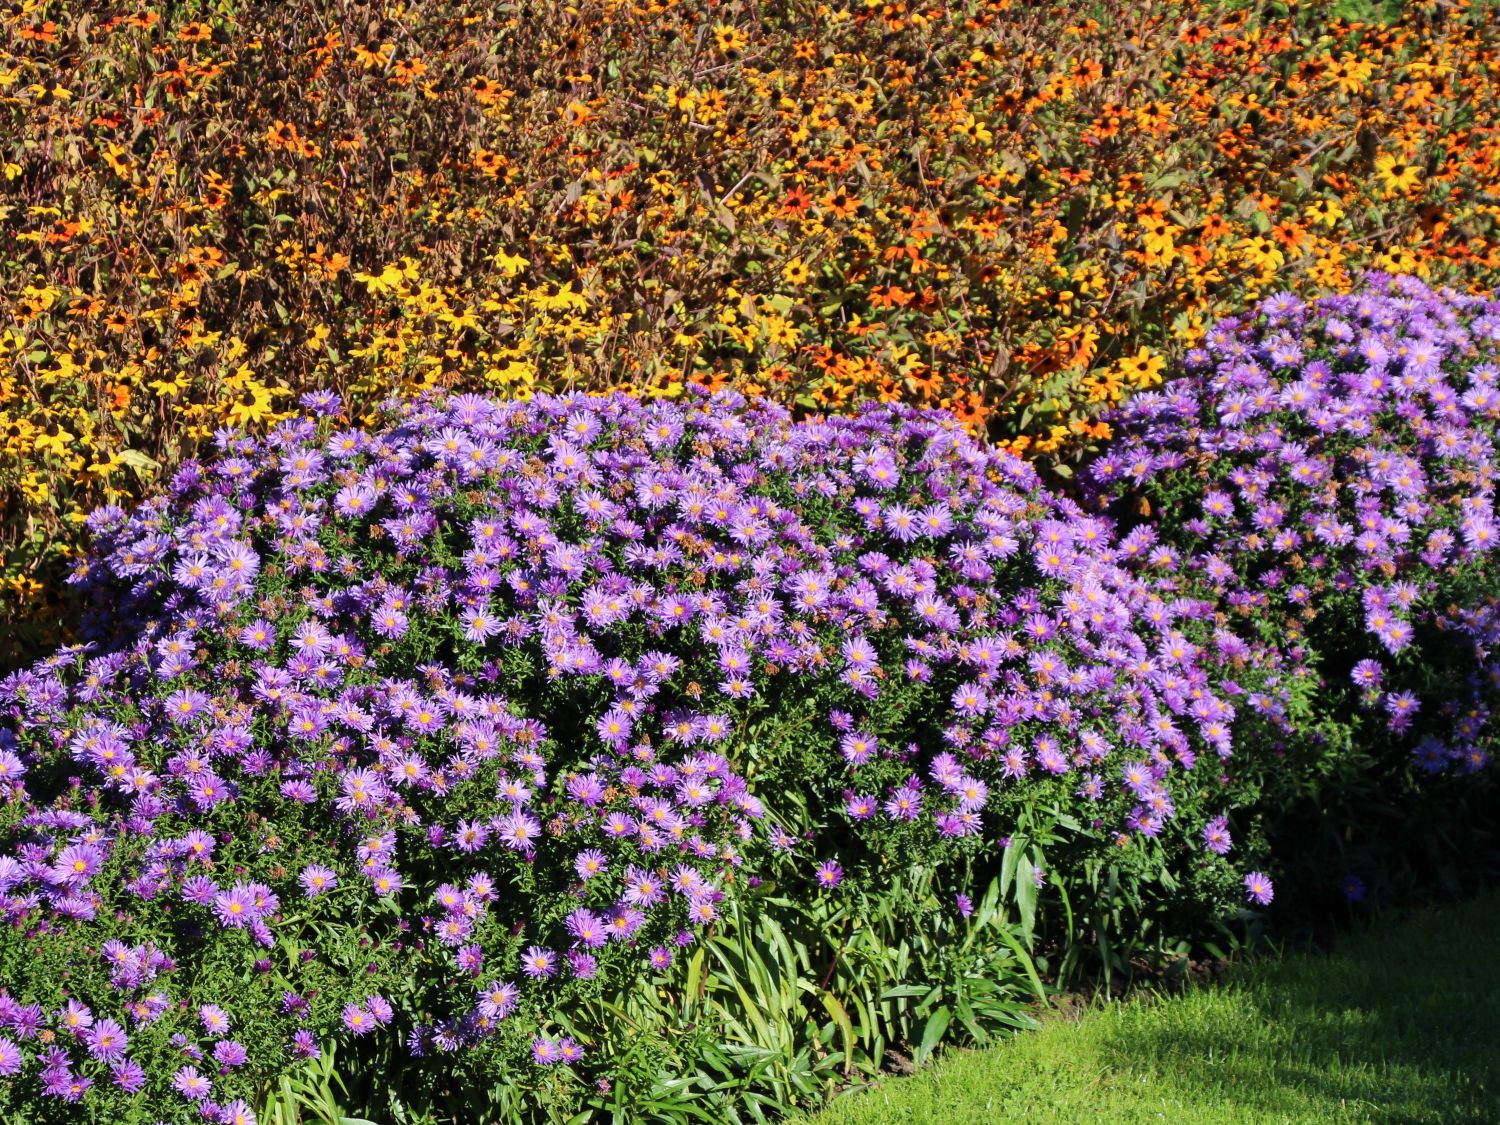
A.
x: 1014, y: 212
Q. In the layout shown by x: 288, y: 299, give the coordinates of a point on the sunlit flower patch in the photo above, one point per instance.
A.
x: 428, y: 731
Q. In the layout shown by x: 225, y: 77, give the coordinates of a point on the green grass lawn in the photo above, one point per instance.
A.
x: 1398, y: 1024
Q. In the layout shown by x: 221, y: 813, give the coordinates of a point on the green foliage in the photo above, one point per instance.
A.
x: 1395, y: 1025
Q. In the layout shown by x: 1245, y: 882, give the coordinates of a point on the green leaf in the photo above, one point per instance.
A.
x: 932, y: 1034
x: 840, y: 1016
x: 139, y: 462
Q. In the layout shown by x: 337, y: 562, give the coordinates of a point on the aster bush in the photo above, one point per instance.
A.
x: 523, y: 751
x: 1326, y: 472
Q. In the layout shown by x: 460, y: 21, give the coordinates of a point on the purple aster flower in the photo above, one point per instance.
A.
x: 538, y: 963
x: 544, y: 1051
x: 904, y: 803
x: 317, y: 879
x: 235, y: 907
x: 587, y: 928
x: 106, y: 1040
x: 1258, y: 889
x: 498, y: 1000
x: 11, y: 1059
x: 213, y: 1018
x: 589, y: 863
x: 356, y: 1019
x: 191, y: 1085
x: 128, y: 1075
x: 380, y: 1009
x: 1216, y: 836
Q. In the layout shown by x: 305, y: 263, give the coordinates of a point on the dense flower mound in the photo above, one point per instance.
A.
x: 424, y: 731
x: 1331, y: 467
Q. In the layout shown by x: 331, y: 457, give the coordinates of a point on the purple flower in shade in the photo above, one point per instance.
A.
x: 1367, y: 674
x: 585, y: 966
x: 228, y: 1054
x: 470, y: 958
x: 191, y: 1085
x: 304, y: 1045
x: 357, y: 1019
x: 568, y: 1050
x: 11, y: 1058
x: 660, y: 958
x: 965, y: 905
x: 1353, y: 888
x: 1402, y: 705
x: 317, y: 879
x: 829, y: 874
x: 128, y: 1075
x: 1258, y: 889
x: 1216, y: 836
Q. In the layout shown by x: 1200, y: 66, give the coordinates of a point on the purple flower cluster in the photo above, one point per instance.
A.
x: 1331, y: 466
x: 494, y: 678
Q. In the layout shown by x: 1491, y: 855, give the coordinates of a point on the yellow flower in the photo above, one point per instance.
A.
x: 1325, y: 211
x: 1262, y: 253
x: 508, y: 262
x: 781, y: 331
x: 796, y: 272
x: 1397, y: 173
x: 1143, y: 369
x: 53, y: 439
x: 974, y: 130
x: 729, y: 41
x: 1401, y: 260
x: 251, y: 407
x: 390, y: 277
